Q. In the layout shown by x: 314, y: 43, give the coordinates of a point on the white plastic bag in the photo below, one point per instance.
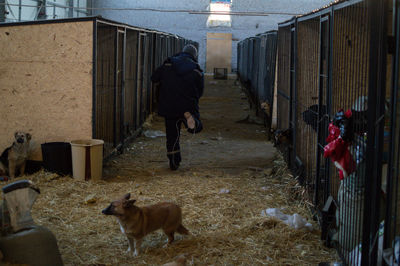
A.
x: 274, y: 212
x: 154, y: 133
x: 296, y: 220
x: 224, y: 191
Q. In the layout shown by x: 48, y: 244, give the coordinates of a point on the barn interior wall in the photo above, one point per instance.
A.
x: 219, y: 50
x: 46, y: 82
x: 193, y: 26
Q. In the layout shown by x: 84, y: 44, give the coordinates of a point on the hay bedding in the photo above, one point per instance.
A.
x: 227, y: 228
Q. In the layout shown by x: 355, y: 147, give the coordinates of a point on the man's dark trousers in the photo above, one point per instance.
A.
x: 173, y: 132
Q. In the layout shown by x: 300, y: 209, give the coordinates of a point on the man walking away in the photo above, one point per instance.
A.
x: 181, y: 84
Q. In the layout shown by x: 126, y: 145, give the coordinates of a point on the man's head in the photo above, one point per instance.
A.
x: 190, y: 49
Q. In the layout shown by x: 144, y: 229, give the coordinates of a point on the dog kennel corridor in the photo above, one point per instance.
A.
x: 233, y: 138
x: 318, y: 77
x: 229, y: 174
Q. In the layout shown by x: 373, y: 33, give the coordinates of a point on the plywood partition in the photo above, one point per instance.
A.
x: 105, y: 85
x: 46, y: 82
x: 219, y: 51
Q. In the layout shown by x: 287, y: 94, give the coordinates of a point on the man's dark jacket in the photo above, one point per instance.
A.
x: 181, y: 86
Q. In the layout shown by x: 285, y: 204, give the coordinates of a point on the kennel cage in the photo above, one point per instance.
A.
x: 79, y: 78
x: 257, y: 73
x: 328, y: 61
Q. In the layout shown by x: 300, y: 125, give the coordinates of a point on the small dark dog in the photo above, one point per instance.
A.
x: 310, y: 117
x: 266, y: 107
x: 282, y: 137
x: 136, y: 222
x: 14, y: 157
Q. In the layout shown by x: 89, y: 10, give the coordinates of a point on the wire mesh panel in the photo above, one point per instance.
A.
x: 105, y: 85
x: 181, y: 44
x: 156, y: 63
x: 130, y: 122
x: 123, y: 91
x: 307, y: 99
x: 391, y: 179
x: 267, y: 91
x: 178, y: 47
x: 119, y: 107
x: 250, y: 61
x: 173, y: 45
x: 292, y: 75
x: 163, y: 48
x: 146, y: 77
x: 391, y: 183
x: 150, y: 70
x: 143, y: 76
x: 244, y: 61
x: 262, y: 69
x: 158, y: 51
x: 170, y: 46
x: 323, y: 110
x: 167, y: 46
x: 350, y: 62
x: 283, y: 85
x: 391, y: 150
x: 238, y: 58
x: 255, y: 69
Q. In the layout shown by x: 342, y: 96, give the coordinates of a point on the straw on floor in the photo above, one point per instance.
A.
x: 226, y: 228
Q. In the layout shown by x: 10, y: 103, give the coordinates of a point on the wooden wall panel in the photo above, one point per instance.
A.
x: 219, y: 51
x: 46, y: 82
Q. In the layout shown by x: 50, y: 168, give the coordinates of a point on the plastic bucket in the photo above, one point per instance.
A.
x: 87, y: 159
x: 57, y: 157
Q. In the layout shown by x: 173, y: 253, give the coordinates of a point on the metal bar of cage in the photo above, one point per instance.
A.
x: 392, y: 219
x: 115, y: 87
x: 94, y: 79
x: 123, y: 132
x: 293, y: 96
x: 377, y: 71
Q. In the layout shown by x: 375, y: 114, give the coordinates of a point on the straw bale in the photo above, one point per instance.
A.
x: 226, y: 229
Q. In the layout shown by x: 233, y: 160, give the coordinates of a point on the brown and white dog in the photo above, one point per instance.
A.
x: 14, y: 157
x: 136, y: 222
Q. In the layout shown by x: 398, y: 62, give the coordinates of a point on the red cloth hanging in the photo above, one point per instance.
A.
x: 338, y: 150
